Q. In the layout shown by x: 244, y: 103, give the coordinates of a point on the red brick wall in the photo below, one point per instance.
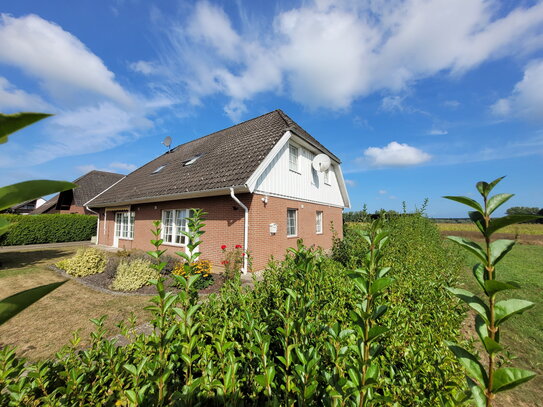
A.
x: 224, y: 225
x: 76, y: 209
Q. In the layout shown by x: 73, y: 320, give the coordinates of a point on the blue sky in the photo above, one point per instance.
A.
x: 419, y: 98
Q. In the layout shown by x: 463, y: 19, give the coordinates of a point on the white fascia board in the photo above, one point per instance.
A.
x: 309, y: 147
x: 251, y: 182
x: 111, y: 186
x: 342, y: 187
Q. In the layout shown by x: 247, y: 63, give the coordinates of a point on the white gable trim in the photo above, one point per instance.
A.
x: 251, y: 182
x: 342, y: 187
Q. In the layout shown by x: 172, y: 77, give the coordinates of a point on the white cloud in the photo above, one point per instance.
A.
x: 144, y: 67
x: 395, y: 155
x: 526, y: 100
x: 350, y: 182
x: 451, y: 104
x: 15, y: 99
x: 61, y: 62
x: 382, y: 191
x: 123, y: 166
x: 326, y: 54
x: 437, y: 132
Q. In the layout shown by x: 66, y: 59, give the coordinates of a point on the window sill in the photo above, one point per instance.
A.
x: 174, y: 244
x: 319, y: 233
x: 125, y: 238
x: 291, y: 236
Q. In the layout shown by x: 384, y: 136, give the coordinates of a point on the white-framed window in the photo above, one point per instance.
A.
x: 318, y: 222
x: 327, y: 177
x: 174, y: 221
x: 293, y: 157
x: 292, y: 222
x: 124, y: 225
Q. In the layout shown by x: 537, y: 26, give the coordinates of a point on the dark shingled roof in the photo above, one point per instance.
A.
x: 89, y: 185
x: 227, y: 159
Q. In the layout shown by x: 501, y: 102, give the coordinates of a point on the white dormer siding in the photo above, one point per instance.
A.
x: 280, y: 179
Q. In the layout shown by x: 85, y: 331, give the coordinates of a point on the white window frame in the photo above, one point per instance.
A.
x: 173, y: 222
x: 124, y: 225
x: 318, y: 222
x: 295, y: 211
x: 327, y: 177
x: 293, y: 151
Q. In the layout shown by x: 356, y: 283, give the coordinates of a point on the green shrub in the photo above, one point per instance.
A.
x: 35, y: 229
x: 87, y: 261
x: 133, y: 274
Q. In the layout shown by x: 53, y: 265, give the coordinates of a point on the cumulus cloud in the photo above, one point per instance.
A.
x: 113, y: 167
x: 61, y: 62
x: 12, y: 98
x: 144, y: 67
x: 326, y: 54
x: 395, y: 155
x: 526, y: 100
x: 123, y: 166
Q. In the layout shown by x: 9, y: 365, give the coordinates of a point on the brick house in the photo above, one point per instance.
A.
x: 255, y: 180
x: 73, y: 200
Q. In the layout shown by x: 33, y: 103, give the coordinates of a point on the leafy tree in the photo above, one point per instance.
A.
x: 525, y: 210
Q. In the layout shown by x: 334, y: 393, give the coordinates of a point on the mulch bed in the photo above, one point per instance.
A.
x: 102, y: 282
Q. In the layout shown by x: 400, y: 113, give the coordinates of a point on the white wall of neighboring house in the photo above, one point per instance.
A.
x: 40, y: 202
x: 305, y: 184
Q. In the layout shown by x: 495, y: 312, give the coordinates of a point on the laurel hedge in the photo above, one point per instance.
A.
x: 35, y: 229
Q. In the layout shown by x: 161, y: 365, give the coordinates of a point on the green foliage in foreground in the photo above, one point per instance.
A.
x: 35, y: 229
x: 485, y: 383
x: 297, y: 338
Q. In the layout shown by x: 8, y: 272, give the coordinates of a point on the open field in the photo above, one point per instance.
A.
x: 522, y: 334
x: 532, y: 229
x: 43, y: 328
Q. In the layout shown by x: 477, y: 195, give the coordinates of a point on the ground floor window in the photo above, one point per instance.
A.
x: 174, y: 222
x: 124, y: 225
x: 318, y: 225
x: 292, y: 224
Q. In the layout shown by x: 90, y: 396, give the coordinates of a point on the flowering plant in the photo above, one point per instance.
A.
x: 200, y: 267
x: 233, y: 261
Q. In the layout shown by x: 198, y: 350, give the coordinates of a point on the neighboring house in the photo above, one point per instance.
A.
x: 26, y: 207
x: 73, y: 200
x: 255, y: 181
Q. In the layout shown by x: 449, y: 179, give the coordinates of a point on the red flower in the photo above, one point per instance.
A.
x: 223, y: 247
x: 238, y: 246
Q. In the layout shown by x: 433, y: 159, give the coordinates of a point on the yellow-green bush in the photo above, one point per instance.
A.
x: 134, y: 274
x: 87, y: 261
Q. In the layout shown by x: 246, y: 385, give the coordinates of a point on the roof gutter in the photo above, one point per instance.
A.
x: 245, y: 229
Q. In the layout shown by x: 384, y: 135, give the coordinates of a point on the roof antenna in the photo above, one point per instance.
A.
x: 167, y: 142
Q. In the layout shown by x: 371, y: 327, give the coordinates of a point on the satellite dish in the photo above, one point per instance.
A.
x: 167, y: 141
x: 321, y: 162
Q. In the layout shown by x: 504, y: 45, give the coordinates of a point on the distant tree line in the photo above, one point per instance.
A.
x: 525, y: 210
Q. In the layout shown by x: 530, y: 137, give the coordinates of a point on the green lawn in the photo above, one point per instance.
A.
x: 522, y: 334
x: 42, y: 329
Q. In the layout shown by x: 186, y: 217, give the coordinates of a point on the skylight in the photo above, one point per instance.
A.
x: 191, y: 160
x: 158, y: 169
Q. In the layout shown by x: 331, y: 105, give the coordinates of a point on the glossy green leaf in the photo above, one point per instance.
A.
x: 473, y: 301
x: 5, y: 226
x: 491, y: 345
x: 499, y: 223
x: 479, y: 274
x: 503, y: 310
x: 10, y: 123
x: 507, y: 378
x: 479, y: 220
x: 496, y: 201
x: 380, y: 284
x: 484, y: 188
x: 470, y: 246
x: 466, y: 201
x: 376, y: 331
x: 494, y: 286
x: 11, y: 306
x: 499, y: 248
x: 473, y: 367
x: 24, y: 191
x: 477, y: 392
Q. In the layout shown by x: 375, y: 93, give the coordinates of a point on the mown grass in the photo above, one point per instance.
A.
x: 522, y: 229
x: 43, y: 328
x: 522, y: 334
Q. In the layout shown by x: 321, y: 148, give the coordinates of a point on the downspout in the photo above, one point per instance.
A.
x: 97, y: 224
x: 245, y: 229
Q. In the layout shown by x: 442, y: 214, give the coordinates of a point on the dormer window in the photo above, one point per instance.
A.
x: 293, y: 157
x: 158, y: 169
x: 191, y: 160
